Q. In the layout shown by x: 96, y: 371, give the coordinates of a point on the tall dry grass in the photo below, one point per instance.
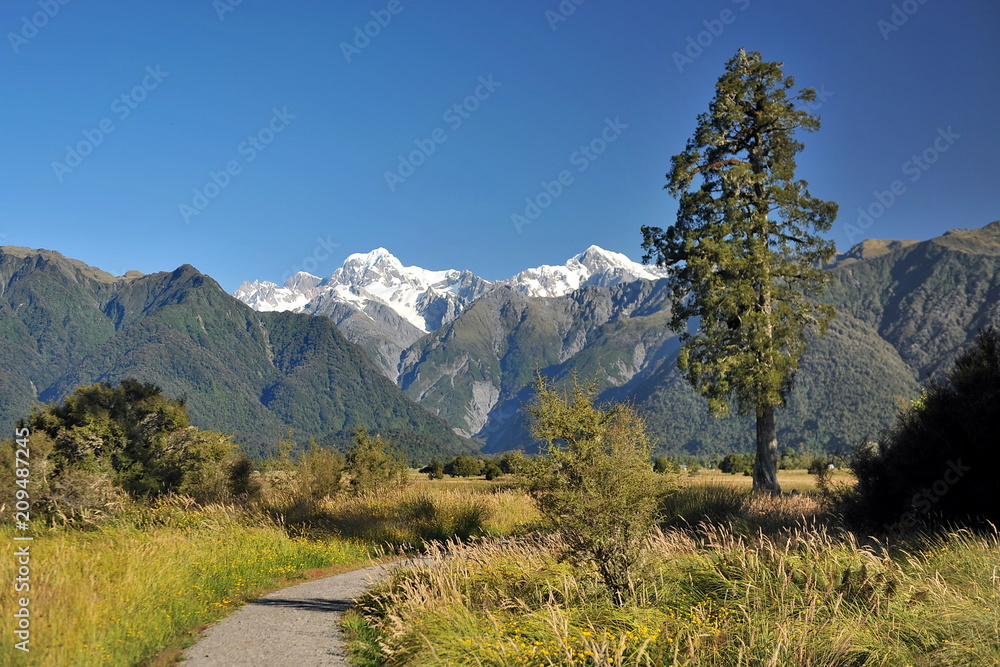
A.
x: 793, y: 592
x: 119, y: 589
x: 413, y: 516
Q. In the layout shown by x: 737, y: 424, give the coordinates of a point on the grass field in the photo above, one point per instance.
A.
x: 123, y: 593
x: 776, y: 586
x: 790, y: 480
x: 137, y: 588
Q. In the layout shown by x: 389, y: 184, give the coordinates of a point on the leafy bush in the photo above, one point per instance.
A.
x: 434, y: 471
x: 939, y: 461
x: 737, y: 463
x: 107, y: 443
x: 491, y: 469
x: 320, y: 472
x: 464, y: 466
x: 664, y: 465
x: 374, y: 464
x: 594, y: 481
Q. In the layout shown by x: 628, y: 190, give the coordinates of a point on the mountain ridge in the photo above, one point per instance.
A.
x: 253, y: 374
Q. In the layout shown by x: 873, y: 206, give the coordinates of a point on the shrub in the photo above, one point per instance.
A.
x: 320, y: 472
x: 464, y: 466
x: 107, y: 443
x: 594, y: 481
x: 664, y: 465
x: 491, y: 469
x: 736, y: 463
x: 939, y: 460
x: 434, y: 471
x: 374, y: 464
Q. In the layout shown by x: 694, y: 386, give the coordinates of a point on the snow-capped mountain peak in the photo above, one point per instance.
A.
x: 430, y: 299
x: 594, y: 266
x: 263, y: 295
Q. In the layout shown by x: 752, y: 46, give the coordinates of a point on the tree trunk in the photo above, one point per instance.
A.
x: 765, y: 469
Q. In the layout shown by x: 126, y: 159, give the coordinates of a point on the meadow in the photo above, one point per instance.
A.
x: 769, y: 581
x: 137, y: 588
x: 728, y: 578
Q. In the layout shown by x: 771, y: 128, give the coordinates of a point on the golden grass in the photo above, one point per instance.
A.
x: 802, y: 594
x: 122, y: 592
x: 790, y: 480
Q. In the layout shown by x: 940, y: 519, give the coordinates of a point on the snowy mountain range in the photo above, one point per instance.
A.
x: 372, y: 282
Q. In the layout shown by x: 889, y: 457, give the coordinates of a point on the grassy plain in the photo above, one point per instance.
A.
x: 134, y: 589
x: 731, y: 579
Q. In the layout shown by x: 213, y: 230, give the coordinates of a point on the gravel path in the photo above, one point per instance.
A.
x: 299, y: 625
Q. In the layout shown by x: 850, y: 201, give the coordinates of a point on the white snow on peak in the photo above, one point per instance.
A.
x: 594, y: 266
x: 431, y: 299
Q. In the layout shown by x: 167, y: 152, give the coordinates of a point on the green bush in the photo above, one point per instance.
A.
x: 106, y: 443
x: 736, y: 463
x: 320, y: 472
x: 464, y: 466
x: 491, y: 469
x: 374, y: 464
x: 938, y: 462
x: 593, y: 480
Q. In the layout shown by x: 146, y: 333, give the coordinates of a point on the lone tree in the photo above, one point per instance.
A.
x: 745, y: 251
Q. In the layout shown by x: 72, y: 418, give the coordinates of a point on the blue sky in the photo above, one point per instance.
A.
x: 246, y: 139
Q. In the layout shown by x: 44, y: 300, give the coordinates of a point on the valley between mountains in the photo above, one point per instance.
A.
x: 442, y: 360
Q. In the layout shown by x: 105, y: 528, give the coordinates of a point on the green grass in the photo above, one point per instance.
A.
x: 141, y: 584
x: 122, y: 593
x: 794, y: 591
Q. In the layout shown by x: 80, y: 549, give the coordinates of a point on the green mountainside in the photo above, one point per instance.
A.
x: 905, y: 308
x: 256, y: 375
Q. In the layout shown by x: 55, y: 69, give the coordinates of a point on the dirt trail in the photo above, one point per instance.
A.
x: 299, y: 625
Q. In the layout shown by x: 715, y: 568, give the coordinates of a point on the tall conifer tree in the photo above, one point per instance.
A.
x: 746, y: 252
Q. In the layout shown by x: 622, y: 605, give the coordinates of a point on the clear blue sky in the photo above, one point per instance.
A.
x: 197, y: 87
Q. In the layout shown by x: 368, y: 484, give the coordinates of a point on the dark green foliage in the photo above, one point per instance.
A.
x: 374, y: 464
x: 464, y: 466
x: 105, y: 441
x: 939, y: 461
x: 736, y: 463
x: 818, y: 466
x: 433, y: 471
x: 663, y: 465
x: 491, y: 470
x: 746, y: 250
